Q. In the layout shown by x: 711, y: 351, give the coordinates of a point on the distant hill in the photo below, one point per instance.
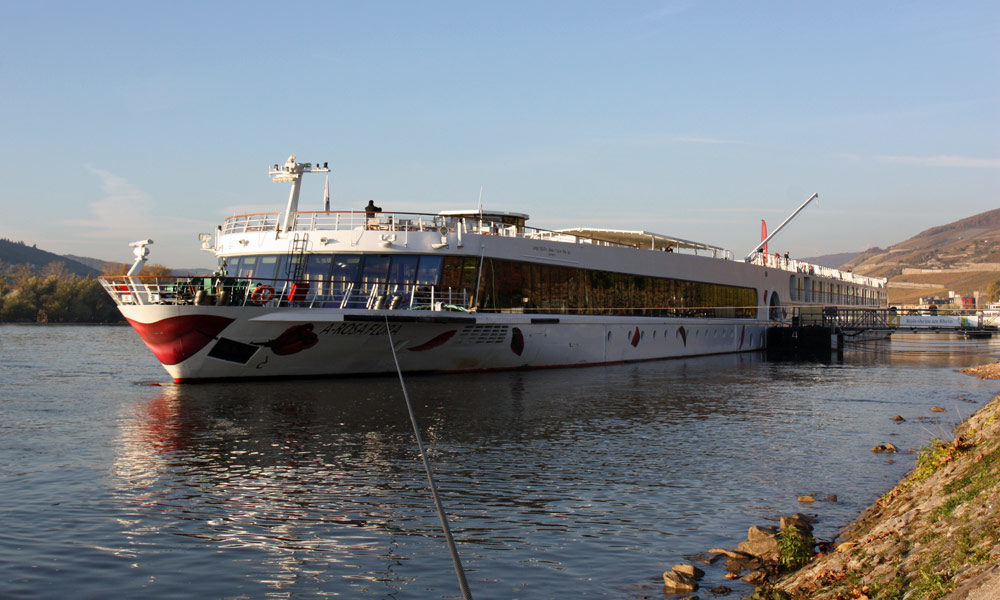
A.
x: 963, y: 257
x: 106, y: 266
x: 965, y: 243
x: 198, y: 272
x: 114, y: 267
x: 19, y: 253
x: 834, y: 261
x: 93, y: 263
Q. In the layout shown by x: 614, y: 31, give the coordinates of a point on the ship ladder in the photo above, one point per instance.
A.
x: 297, y: 257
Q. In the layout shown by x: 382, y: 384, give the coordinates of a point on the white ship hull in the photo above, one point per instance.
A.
x: 334, y: 342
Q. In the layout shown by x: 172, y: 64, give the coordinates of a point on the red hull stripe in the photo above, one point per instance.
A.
x: 176, y: 339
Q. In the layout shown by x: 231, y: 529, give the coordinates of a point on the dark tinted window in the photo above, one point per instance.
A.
x: 318, y: 266
x: 404, y: 268
x: 267, y: 266
x: 429, y: 271
x: 376, y: 267
x: 345, y: 267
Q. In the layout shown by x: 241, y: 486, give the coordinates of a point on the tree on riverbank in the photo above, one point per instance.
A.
x: 53, y: 295
x: 993, y: 292
x: 149, y: 270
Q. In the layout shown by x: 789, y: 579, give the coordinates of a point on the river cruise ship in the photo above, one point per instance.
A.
x: 316, y: 293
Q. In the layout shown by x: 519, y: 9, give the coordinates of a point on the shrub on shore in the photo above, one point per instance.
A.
x: 54, y: 296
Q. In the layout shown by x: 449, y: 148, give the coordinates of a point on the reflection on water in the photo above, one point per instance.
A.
x: 580, y: 483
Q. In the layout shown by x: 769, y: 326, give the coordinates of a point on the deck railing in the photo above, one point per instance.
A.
x: 365, y: 295
x: 233, y: 291
x: 426, y: 222
x: 776, y: 261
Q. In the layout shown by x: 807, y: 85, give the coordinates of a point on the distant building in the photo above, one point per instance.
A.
x: 953, y: 300
x: 929, y: 301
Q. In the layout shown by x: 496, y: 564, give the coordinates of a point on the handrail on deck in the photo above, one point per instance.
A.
x: 776, y: 261
x: 234, y: 291
x: 354, y: 220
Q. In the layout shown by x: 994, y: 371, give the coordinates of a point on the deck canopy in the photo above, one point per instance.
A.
x: 497, y: 216
x: 639, y: 239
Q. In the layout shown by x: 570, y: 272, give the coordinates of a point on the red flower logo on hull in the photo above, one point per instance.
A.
x: 517, y: 341
x: 294, y: 339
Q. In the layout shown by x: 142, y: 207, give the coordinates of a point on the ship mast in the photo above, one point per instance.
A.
x: 764, y: 242
x: 292, y: 172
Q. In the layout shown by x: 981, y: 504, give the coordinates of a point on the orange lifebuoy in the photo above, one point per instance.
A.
x: 262, y: 294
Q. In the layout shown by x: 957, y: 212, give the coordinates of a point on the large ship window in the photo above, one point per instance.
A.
x: 429, y: 270
x: 346, y: 267
x: 318, y: 270
x: 318, y: 266
x: 247, y: 266
x: 376, y: 267
x: 404, y: 268
x: 519, y: 286
x: 232, y: 265
x: 267, y: 266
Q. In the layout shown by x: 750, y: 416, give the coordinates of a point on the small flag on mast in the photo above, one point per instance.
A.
x: 326, y: 195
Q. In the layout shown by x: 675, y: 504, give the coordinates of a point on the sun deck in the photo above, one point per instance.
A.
x: 463, y: 222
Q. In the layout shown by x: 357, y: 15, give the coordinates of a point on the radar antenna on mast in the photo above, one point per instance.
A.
x: 291, y: 172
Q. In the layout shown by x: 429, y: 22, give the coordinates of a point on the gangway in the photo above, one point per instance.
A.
x: 819, y: 330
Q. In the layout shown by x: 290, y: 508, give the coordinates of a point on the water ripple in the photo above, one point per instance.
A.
x: 583, y: 483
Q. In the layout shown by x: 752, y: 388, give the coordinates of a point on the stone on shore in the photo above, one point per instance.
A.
x: 990, y: 371
x: 678, y: 582
x: 761, y: 543
x: 731, y: 553
x: 797, y: 520
x: 890, y: 448
x: 690, y: 570
x: 706, y: 558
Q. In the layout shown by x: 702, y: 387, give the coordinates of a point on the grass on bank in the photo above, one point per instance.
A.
x: 928, y: 559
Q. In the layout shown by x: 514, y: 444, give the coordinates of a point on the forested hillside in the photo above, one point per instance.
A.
x: 19, y: 253
x: 53, y: 294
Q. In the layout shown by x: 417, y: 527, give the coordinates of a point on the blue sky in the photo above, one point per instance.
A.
x: 127, y: 120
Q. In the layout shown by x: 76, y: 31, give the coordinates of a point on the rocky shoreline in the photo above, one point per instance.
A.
x: 935, y: 535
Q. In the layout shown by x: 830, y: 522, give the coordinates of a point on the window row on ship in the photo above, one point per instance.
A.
x: 500, y: 285
x: 810, y: 290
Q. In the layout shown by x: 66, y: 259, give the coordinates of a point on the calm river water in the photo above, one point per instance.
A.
x: 575, y: 483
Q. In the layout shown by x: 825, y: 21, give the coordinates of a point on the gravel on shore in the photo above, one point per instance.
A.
x: 991, y: 371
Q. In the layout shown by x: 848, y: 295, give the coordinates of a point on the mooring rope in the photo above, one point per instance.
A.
x: 462, y: 583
